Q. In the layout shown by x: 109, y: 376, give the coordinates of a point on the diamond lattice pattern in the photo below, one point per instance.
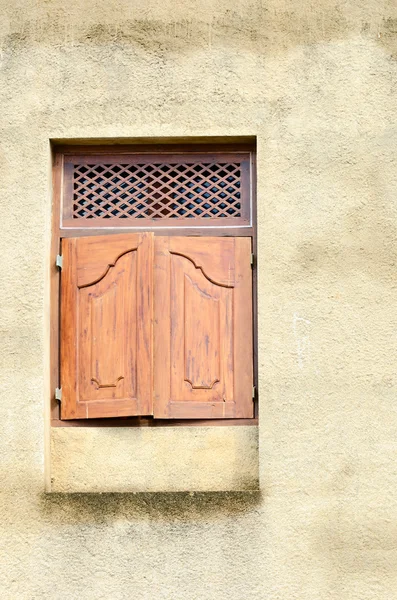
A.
x: 157, y: 191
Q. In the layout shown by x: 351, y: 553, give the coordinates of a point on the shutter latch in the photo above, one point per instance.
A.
x: 59, y: 261
x: 58, y: 394
x: 252, y: 259
x: 253, y: 392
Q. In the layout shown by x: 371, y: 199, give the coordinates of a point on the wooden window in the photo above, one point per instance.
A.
x: 156, y: 320
x: 171, y: 189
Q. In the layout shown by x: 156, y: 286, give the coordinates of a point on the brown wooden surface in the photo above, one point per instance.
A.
x: 155, y: 146
x: 149, y: 157
x: 151, y: 422
x: 169, y: 231
x: 167, y: 189
x: 55, y: 285
x: 254, y: 235
x: 62, y: 152
x: 146, y: 224
x: 106, y: 326
x: 203, y: 349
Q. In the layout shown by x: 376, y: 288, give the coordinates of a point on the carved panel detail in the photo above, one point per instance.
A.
x: 201, y: 334
x: 202, y: 342
x: 108, y: 333
x: 106, y: 326
x: 105, y: 329
x: 203, y: 328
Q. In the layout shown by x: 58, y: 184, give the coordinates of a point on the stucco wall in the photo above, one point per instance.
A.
x: 152, y: 459
x: 316, y: 82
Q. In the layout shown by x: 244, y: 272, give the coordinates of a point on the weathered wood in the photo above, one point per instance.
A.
x: 158, y: 190
x: 203, y: 352
x: 106, y: 326
x: 64, y: 157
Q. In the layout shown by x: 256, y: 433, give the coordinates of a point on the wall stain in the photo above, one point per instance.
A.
x: 354, y: 547
x: 364, y: 241
x: 254, y: 26
x: 387, y: 36
x: 184, y: 506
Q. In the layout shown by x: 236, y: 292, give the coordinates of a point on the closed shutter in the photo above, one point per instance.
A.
x: 203, y: 365
x: 106, y: 326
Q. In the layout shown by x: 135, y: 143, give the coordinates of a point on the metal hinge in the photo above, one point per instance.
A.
x: 252, y: 259
x: 253, y: 392
x: 59, y: 261
x: 58, y: 394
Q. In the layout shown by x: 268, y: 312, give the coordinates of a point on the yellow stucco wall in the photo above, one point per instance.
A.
x: 316, y: 83
x: 152, y: 459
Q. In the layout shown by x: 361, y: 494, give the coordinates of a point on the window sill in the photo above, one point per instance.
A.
x: 148, y: 422
x: 153, y: 459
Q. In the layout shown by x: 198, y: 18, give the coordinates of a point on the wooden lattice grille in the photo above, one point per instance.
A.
x: 130, y: 190
x: 157, y: 191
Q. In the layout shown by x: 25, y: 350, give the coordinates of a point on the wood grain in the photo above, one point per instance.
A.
x: 64, y: 157
x: 203, y: 350
x: 106, y: 326
x: 159, y: 189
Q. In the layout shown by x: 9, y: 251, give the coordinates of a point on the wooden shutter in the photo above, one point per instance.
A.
x: 203, y: 351
x: 106, y: 326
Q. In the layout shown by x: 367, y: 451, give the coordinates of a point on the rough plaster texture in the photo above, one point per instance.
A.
x: 172, y: 459
x: 316, y: 82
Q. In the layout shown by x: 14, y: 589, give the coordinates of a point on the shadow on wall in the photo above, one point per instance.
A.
x: 253, y: 26
x: 355, y: 546
x: 362, y: 242
x: 387, y: 36
x: 186, y: 507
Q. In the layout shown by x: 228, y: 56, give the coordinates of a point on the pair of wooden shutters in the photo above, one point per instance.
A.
x: 155, y: 325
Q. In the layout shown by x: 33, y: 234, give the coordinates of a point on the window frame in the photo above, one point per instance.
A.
x: 69, y: 219
x: 60, y: 231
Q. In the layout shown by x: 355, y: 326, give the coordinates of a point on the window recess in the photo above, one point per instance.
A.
x: 153, y: 286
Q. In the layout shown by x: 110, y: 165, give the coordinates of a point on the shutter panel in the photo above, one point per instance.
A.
x: 203, y: 349
x: 106, y: 326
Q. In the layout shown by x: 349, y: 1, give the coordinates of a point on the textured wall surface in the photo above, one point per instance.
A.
x: 316, y: 82
x: 153, y: 459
